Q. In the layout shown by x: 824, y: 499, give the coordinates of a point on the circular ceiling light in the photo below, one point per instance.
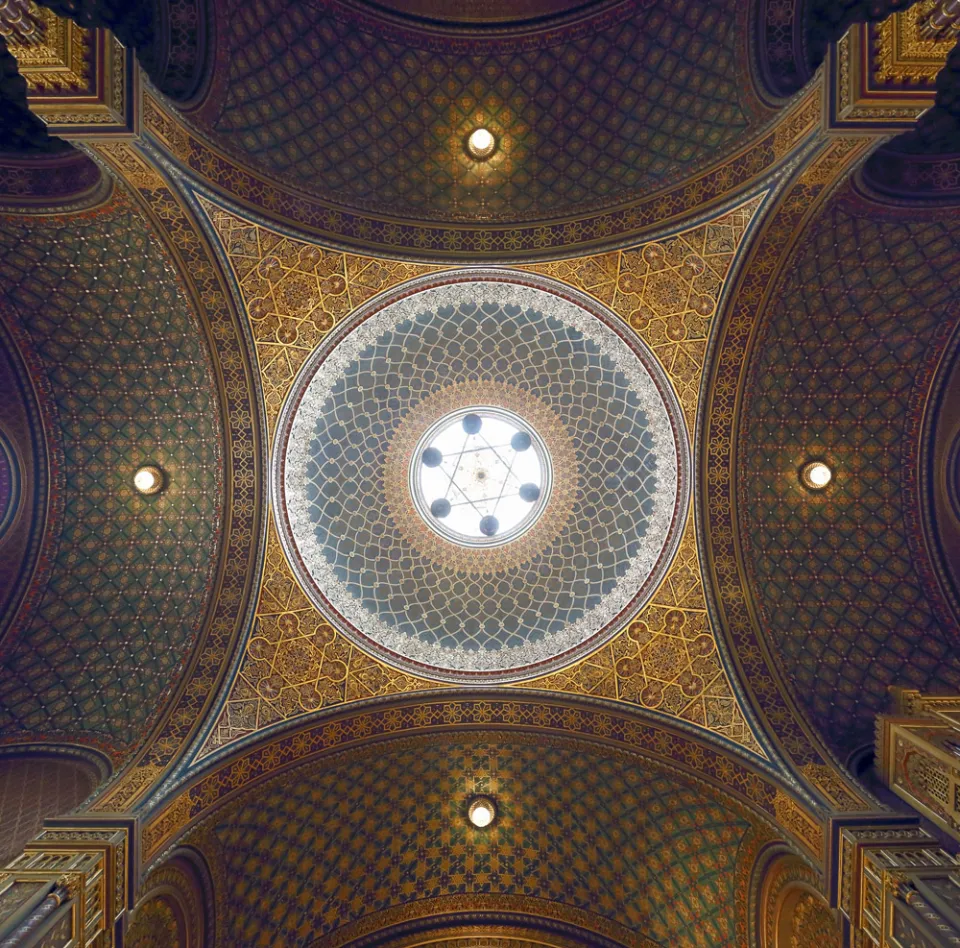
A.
x: 480, y: 476
x: 481, y: 811
x: 148, y: 479
x: 481, y: 144
x: 815, y: 475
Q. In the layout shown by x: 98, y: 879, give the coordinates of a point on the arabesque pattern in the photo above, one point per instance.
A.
x: 666, y: 660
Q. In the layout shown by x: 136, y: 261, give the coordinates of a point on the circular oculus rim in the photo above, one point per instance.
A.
x: 513, y: 531
x: 556, y: 503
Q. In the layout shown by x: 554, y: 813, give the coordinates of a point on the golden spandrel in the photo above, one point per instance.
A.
x: 666, y: 660
x: 667, y: 291
x: 295, y: 293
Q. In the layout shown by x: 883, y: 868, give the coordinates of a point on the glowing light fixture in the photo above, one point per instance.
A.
x: 482, y: 811
x: 816, y: 475
x: 481, y: 144
x: 148, y: 479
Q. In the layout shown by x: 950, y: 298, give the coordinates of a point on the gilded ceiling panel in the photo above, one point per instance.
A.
x: 667, y: 660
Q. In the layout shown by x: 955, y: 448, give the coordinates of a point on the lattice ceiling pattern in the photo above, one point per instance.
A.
x: 354, y: 835
x: 842, y: 371
x: 132, y: 383
x: 667, y: 661
x: 476, y: 337
x: 346, y: 109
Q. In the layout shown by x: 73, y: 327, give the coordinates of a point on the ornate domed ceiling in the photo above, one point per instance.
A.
x: 123, y: 374
x: 477, y: 476
x: 357, y: 841
x: 371, y: 114
x: 844, y: 360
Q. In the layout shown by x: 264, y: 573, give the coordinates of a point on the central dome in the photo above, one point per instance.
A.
x: 478, y: 478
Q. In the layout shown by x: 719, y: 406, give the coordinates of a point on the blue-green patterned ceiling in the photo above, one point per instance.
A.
x: 372, y: 115
x: 358, y: 837
x: 124, y: 580
x: 842, y: 369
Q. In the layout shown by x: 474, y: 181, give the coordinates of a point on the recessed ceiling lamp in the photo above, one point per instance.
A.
x: 481, y: 811
x: 815, y: 475
x: 481, y: 144
x: 148, y: 479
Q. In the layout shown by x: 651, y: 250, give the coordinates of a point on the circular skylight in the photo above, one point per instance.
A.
x: 481, y: 476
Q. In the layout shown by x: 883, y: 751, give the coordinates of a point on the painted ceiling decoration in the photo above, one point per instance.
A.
x: 479, y: 472
x: 463, y: 342
x: 663, y: 297
x: 24, y: 476
x: 621, y: 102
x: 557, y: 788
x: 862, y: 348
x: 124, y: 583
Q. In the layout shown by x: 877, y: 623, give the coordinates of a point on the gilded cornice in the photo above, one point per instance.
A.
x: 666, y: 291
x: 80, y: 81
x: 902, y: 54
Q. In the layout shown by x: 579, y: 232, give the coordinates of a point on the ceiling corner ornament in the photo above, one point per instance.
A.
x: 457, y: 348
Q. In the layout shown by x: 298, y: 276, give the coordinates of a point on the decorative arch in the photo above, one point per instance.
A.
x: 793, y: 912
x: 584, y: 833
x: 174, y: 905
x: 98, y: 627
x: 495, y: 929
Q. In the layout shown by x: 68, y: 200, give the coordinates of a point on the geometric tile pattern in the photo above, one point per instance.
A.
x: 131, y: 381
x: 624, y: 488
x: 371, y: 116
x: 362, y: 833
x: 842, y: 370
x: 296, y: 292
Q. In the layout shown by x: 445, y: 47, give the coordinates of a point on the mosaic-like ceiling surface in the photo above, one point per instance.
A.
x: 124, y: 580
x: 842, y: 370
x: 369, y: 115
x: 592, y: 835
x: 666, y: 292
x: 350, y: 449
